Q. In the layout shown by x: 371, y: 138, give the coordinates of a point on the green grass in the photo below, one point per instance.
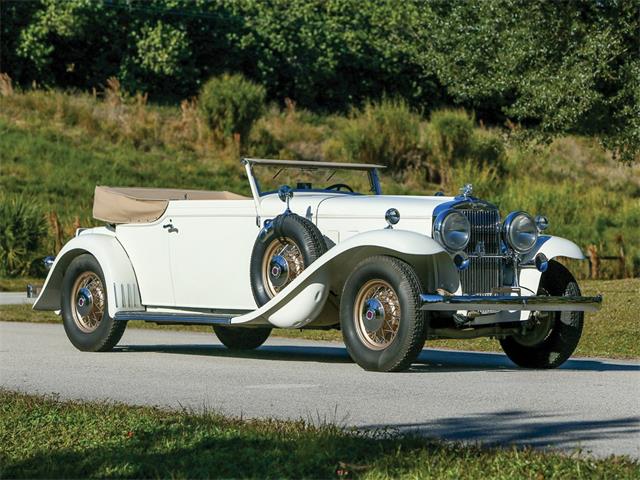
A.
x: 46, y: 438
x: 611, y: 332
x: 18, y: 284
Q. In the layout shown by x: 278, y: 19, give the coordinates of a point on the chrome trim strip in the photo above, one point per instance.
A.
x: 196, y: 319
x: 540, y: 303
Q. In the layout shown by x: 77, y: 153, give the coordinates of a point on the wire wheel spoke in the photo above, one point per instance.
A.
x: 87, y: 301
x: 289, y: 265
x: 377, y: 314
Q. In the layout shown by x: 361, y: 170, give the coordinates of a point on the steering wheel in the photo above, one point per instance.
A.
x: 338, y: 186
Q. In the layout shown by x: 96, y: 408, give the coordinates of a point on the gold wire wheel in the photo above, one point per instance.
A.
x: 87, y: 301
x: 376, y: 314
x: 282, y: 263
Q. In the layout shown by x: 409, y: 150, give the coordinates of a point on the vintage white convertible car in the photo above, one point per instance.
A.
x: 319, y: 246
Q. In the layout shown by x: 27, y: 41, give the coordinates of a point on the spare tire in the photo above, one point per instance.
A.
x: 281, y: 252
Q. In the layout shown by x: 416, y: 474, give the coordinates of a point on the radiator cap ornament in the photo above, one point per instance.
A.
x: 467, y: 190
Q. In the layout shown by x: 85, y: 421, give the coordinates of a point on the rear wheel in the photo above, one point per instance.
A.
x: 241, y: 338
x: 380, y: 317
x: 84, y: 307
x: 551, y: 337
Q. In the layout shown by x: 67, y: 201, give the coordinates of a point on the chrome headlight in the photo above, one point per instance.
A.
x: 520, y: 231
x: 452, y: 230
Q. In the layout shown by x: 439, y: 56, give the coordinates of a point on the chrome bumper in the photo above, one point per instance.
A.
x: 506, y: 302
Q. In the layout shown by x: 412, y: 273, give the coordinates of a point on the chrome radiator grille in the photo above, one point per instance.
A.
x: 484, y: 272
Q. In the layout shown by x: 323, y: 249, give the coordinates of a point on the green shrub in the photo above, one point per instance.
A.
x: 290, y: 133
x: 456, y: 143
x: 387, y: 132
x: 231, y: 105
x: 451, y: 134
x: 488, y: 149
x: 22, y: 228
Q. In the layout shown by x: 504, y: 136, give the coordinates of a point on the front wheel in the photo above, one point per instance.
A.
x: 551, y: 337
x: 84, y: 307
x: 380, y: 317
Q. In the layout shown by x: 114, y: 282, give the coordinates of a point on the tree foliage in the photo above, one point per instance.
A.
x: 554, y: 67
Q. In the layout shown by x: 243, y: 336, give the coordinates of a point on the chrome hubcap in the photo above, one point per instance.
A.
x: 88, y: 301
x: 84, y: 301
x: 282, y: 263
x: 372, y: 315
x: 376, y: 314
x: 279, y: 271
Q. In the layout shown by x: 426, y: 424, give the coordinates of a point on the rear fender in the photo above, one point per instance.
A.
x: 119, y: 276
x: 302, y: 301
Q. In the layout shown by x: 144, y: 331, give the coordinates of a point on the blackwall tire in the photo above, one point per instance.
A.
x: 84, y: 291
x: 563, y: 333
x: 241, y: 338
x: 303, y: 244
x: 391, y: 289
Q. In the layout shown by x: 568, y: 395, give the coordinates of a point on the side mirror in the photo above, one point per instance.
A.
x: 285, y: 193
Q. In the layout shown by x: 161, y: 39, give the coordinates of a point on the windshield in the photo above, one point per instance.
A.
x: 313, y: 179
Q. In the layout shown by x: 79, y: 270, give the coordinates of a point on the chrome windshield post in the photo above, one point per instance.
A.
x: 375, y: 181
x: 253, y: 184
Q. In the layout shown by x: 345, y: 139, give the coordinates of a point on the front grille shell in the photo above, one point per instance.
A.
x: 485, y: 272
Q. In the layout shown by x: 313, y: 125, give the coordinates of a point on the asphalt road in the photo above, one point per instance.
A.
x: 14, y: 298
x: 592, y: 404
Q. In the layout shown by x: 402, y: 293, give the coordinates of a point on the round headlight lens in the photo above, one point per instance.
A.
x: 452, y: 230
x: 520, y: 231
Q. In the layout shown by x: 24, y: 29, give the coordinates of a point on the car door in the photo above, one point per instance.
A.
x: 210, y: 253
x: 147, y: 245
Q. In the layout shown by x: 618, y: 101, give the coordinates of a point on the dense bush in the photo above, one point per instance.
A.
x: 387, y: 132
x: 22, y: 228
x: 231, y: 105
x: 455, y: 142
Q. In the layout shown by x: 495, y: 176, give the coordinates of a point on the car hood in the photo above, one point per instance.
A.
x: 375, y: 206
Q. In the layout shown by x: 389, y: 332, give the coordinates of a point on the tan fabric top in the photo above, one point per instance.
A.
x: 143, y: 205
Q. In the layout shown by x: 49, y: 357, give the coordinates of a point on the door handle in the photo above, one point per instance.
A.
x: 168, y: 225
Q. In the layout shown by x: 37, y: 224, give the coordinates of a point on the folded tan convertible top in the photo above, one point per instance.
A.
x: 143, y: 205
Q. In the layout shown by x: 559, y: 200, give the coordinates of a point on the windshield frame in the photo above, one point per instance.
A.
x: 372, y: 172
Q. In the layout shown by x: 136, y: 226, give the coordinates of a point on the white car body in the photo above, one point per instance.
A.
x: 191, y: 265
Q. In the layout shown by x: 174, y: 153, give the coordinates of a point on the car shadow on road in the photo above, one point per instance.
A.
x: 266, y: 352
x: 521, y: 428
x: 428, y: 361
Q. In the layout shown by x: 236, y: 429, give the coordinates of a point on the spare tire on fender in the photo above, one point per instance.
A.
x: 284, y: 248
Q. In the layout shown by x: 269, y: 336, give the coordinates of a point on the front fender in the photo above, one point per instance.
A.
x: 303, y: 300
x: 119, y: 276
x: 554, y: 247
x: 551, y: 247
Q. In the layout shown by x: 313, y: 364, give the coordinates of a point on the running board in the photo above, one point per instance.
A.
x: 175, y: 318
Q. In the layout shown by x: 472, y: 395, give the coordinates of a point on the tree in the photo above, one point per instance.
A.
x: 559, y: 67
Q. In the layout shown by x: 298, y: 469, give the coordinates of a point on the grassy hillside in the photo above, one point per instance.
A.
x: 55, y: 147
